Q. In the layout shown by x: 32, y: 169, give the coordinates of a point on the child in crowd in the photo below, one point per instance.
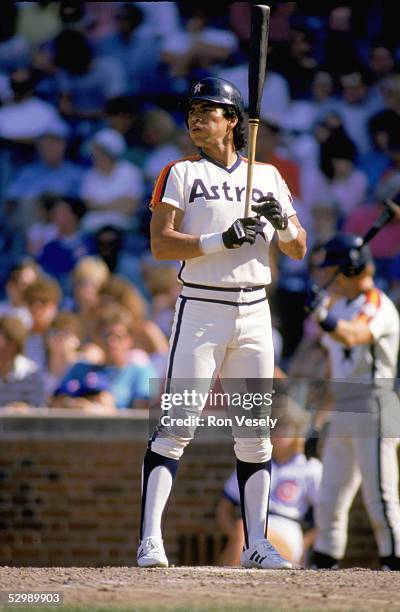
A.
x: 23, y: 274
x: 63, y: 341
x: 294, y: 490
x: 127, y: 383
x: 42, y: 298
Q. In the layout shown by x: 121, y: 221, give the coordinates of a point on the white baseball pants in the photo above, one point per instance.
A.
x: 225, y: 333
x: 353, y: 456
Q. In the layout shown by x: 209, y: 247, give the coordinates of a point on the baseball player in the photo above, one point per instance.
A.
x: 222, y: 322
x: 362, y: 339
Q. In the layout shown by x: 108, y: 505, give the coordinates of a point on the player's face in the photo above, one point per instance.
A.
x: 342, y: 285
x: 207, y: 123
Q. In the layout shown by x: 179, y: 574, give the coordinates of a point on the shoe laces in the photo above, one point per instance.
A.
x: 267, y: 546
x: 153, y: 544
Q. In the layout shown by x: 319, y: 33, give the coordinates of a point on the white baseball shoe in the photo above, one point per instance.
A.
x: 151, y: 553
x: 262, y: 555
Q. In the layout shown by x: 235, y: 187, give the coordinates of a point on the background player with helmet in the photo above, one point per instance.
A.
x: 294, y: 491
x: 222, y: 321
x: 362, y: 339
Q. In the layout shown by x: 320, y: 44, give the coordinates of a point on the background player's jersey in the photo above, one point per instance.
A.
x: 294, y: 487
x: 366, y: 363
x: 212, y: 197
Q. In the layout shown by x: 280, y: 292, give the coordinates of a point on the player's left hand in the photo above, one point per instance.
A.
x: 269, y: 207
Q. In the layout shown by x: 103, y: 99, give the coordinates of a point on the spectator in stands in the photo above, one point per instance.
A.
x: 304, y: 114
x: 340, y: 44
x: 21, y: 382
x: 294, y: 492
x: 275, y: 100
x: 62, y: 341
x: 38, y: 21
x: 23, y: 274
x: 60, y: 256
x: 355, y: 106
x: 122, y: 115
x: 100, y: 20
x: 376, y: 161
x: 88, y: 277
x: 159, y: 132
x: 112, y: 189
x: 52, y: 173
x: 109, y: 245
x: 270, y: 151
x: 42, y: 298
x: 26, y: 116
x: 337, y: 178
x: 200, y: 46
x: 128, y: 382
x: 135, y: 49
x: 85, y: 82
x: 163, y: 288
x: 381, y: 61
x: 147, y: 334
x: 296, y: 62
x: 14, y: 49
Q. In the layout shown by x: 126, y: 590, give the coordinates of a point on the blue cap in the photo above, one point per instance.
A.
x: 90, y: 383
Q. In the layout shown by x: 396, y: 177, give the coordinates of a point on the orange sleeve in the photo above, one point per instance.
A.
x: 370, y: 306
x: 161, y: 182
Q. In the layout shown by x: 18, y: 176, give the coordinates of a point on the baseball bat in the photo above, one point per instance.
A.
x: 257, y: 66
x: 391, y: 210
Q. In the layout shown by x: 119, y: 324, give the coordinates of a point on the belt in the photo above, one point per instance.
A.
x: 232, y: 296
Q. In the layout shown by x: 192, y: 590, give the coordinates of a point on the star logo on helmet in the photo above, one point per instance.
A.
x: 197, y: 88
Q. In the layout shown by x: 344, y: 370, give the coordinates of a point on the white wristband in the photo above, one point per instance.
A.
x: 289, y: 234
x: 211, y: 243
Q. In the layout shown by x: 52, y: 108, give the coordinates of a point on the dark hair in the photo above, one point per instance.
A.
x: 73, y: 52
x: 76, y: 205
x: 8, y: 21
x: 121, y: 104
x: 130, y: 12
x: 239, y: 134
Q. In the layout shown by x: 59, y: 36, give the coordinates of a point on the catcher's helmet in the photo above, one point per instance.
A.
x: 216, y: 90
x: 346, y: 251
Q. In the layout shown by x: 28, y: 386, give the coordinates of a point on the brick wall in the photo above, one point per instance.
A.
x: 70, y: 493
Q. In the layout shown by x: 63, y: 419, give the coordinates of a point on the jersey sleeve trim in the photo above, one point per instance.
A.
x: 161, y: 182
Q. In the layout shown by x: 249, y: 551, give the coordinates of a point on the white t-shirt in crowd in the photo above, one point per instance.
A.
x: 26, y: 119
x: 125, y: 180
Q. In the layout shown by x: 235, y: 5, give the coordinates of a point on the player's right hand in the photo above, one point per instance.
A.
x: 241, y: 231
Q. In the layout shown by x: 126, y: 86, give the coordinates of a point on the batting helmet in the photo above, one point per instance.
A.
x: 216, y: 90
x: 346, y: 251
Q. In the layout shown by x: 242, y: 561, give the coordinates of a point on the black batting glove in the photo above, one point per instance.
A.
x: 269, y: 207
x: 243, y: 230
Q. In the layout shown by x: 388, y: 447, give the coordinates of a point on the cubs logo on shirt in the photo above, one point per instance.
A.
x: 287, y: 491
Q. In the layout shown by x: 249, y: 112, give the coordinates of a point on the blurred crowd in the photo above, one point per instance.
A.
x: 90, y: 112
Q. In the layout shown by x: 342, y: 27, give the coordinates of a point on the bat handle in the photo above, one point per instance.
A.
x: 253, y: 129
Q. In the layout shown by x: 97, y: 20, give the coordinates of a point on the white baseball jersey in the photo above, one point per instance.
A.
x: 366, y: 363
x: 294, y: 487
x: 212, y: 197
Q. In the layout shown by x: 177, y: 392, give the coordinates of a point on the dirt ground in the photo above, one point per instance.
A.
x: 206, y: 589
